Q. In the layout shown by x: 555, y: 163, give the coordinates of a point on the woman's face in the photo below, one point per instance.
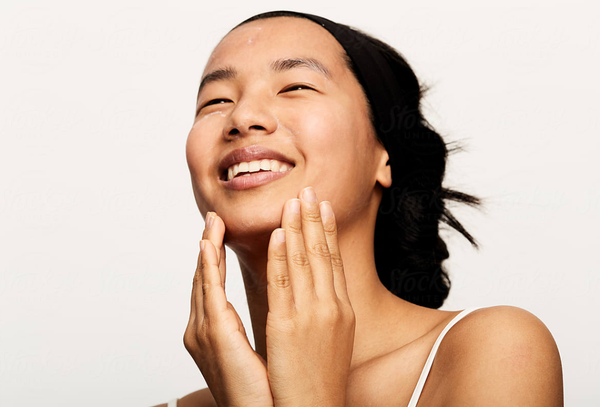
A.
x: 281, y: 83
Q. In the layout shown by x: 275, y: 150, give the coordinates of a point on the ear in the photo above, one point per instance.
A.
x: 384, y: 169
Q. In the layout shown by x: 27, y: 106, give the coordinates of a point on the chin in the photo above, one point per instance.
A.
x: 250, y: 226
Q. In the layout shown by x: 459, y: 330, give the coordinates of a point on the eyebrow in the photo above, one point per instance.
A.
x: 279, y: 65
x: 285, y: 64
x: 218, y: 75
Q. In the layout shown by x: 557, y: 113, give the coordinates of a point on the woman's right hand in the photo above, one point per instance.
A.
x: 215, y: 336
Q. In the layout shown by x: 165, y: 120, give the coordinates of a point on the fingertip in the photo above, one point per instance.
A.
x: 294, y: 205
x: 204, y: 250
x: 280, y: 235
x: 276, y: 236
x: 326, y: 209
x: 216, y: 231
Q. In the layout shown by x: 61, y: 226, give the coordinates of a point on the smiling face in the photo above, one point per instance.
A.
x: 282, y: 83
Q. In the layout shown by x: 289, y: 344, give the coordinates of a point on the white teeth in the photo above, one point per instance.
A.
x: 257, y: 165
x: 274, y: 165
x: 254, y: 166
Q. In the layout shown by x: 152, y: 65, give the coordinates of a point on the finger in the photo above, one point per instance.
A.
x: 215, y: 232
x: 196, y: 309
x: 330, y: 229
x: 213, y: 292
x: 279, y: 289
x: 222, y: 265
x: 210, y: 231
x: 315, y: 242
x: 297, y: 261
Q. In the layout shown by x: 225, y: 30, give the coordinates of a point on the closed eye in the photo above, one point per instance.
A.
x: 220, y: 101
x: 297, y: 87
x: 216, y: 101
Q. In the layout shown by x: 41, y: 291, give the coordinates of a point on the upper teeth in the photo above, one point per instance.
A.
x: 254, y: 166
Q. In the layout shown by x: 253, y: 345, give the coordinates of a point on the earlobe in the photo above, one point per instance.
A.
x: 384, y: 171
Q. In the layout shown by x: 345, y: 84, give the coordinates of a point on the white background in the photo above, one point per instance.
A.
x: 98, y: 226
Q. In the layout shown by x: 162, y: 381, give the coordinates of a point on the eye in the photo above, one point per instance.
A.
x: 297, y: 87
x: 215, y: 102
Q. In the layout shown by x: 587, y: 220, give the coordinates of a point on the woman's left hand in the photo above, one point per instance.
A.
x: 310, y: 323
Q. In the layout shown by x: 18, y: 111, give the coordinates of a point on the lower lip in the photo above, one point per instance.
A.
x: 253, y: 180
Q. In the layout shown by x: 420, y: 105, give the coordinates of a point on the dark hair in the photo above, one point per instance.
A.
x: 409, y: 250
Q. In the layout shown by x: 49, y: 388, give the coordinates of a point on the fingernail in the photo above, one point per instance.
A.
x: 280, y: 235
x: 202, y: 245
x: 308, y: 195
x: 209, y: 220
x: 295, y: 206
x: 326, y: 209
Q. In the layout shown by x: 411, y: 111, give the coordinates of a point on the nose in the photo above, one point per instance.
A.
x: 250, y: 116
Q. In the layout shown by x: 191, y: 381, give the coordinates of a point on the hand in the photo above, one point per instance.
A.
x: 310, y: 323
x: 215, y: 336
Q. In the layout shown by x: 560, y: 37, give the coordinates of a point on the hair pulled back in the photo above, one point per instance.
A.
x: 409, y: 250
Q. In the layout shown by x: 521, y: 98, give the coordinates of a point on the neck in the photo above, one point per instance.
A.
x: 373, y: 304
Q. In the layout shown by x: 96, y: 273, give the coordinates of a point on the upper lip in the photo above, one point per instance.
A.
x: 250, y: 153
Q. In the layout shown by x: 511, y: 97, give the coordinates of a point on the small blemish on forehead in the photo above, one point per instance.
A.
x: 227, y: 38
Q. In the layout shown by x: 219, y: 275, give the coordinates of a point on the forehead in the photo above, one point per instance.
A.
x: 274, y: 38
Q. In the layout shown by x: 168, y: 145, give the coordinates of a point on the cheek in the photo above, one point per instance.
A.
x: 201, y: 142
x: 332, y: 143
x: 320, y: 140
x: 321, y: 127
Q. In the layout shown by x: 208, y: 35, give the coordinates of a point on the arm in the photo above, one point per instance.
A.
x: 503, y: 356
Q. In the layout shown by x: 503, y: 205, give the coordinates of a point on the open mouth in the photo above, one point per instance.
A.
x: 246, y: 169
x: 248, y: 180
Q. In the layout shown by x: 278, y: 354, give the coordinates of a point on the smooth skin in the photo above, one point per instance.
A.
x: 309, y: 311
x: 495, y: 356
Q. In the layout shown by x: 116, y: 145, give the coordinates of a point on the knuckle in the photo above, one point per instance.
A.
x: 331, y: 311
x: 204, y: 265
x: 319, y: 250
x: 311, y: 216
x: 281, y: 281
x: 206, y: 287
x: 329, y: 228
x: 336, y: 260
x: 294, y: 228
x: 299, y: 259
x: 279, y: 257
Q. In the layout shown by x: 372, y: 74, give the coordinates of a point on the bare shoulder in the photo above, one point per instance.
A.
x: 498, y: 356
x: 199, y: 398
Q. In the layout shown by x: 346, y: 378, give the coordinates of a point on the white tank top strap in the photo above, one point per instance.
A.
x: 172, y: 403
x: 419, y: 388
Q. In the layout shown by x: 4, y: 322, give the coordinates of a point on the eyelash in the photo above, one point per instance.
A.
x: 297, y: 86
x: 212, y: 102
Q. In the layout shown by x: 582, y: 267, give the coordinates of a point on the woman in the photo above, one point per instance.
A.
x: 337, y: 236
